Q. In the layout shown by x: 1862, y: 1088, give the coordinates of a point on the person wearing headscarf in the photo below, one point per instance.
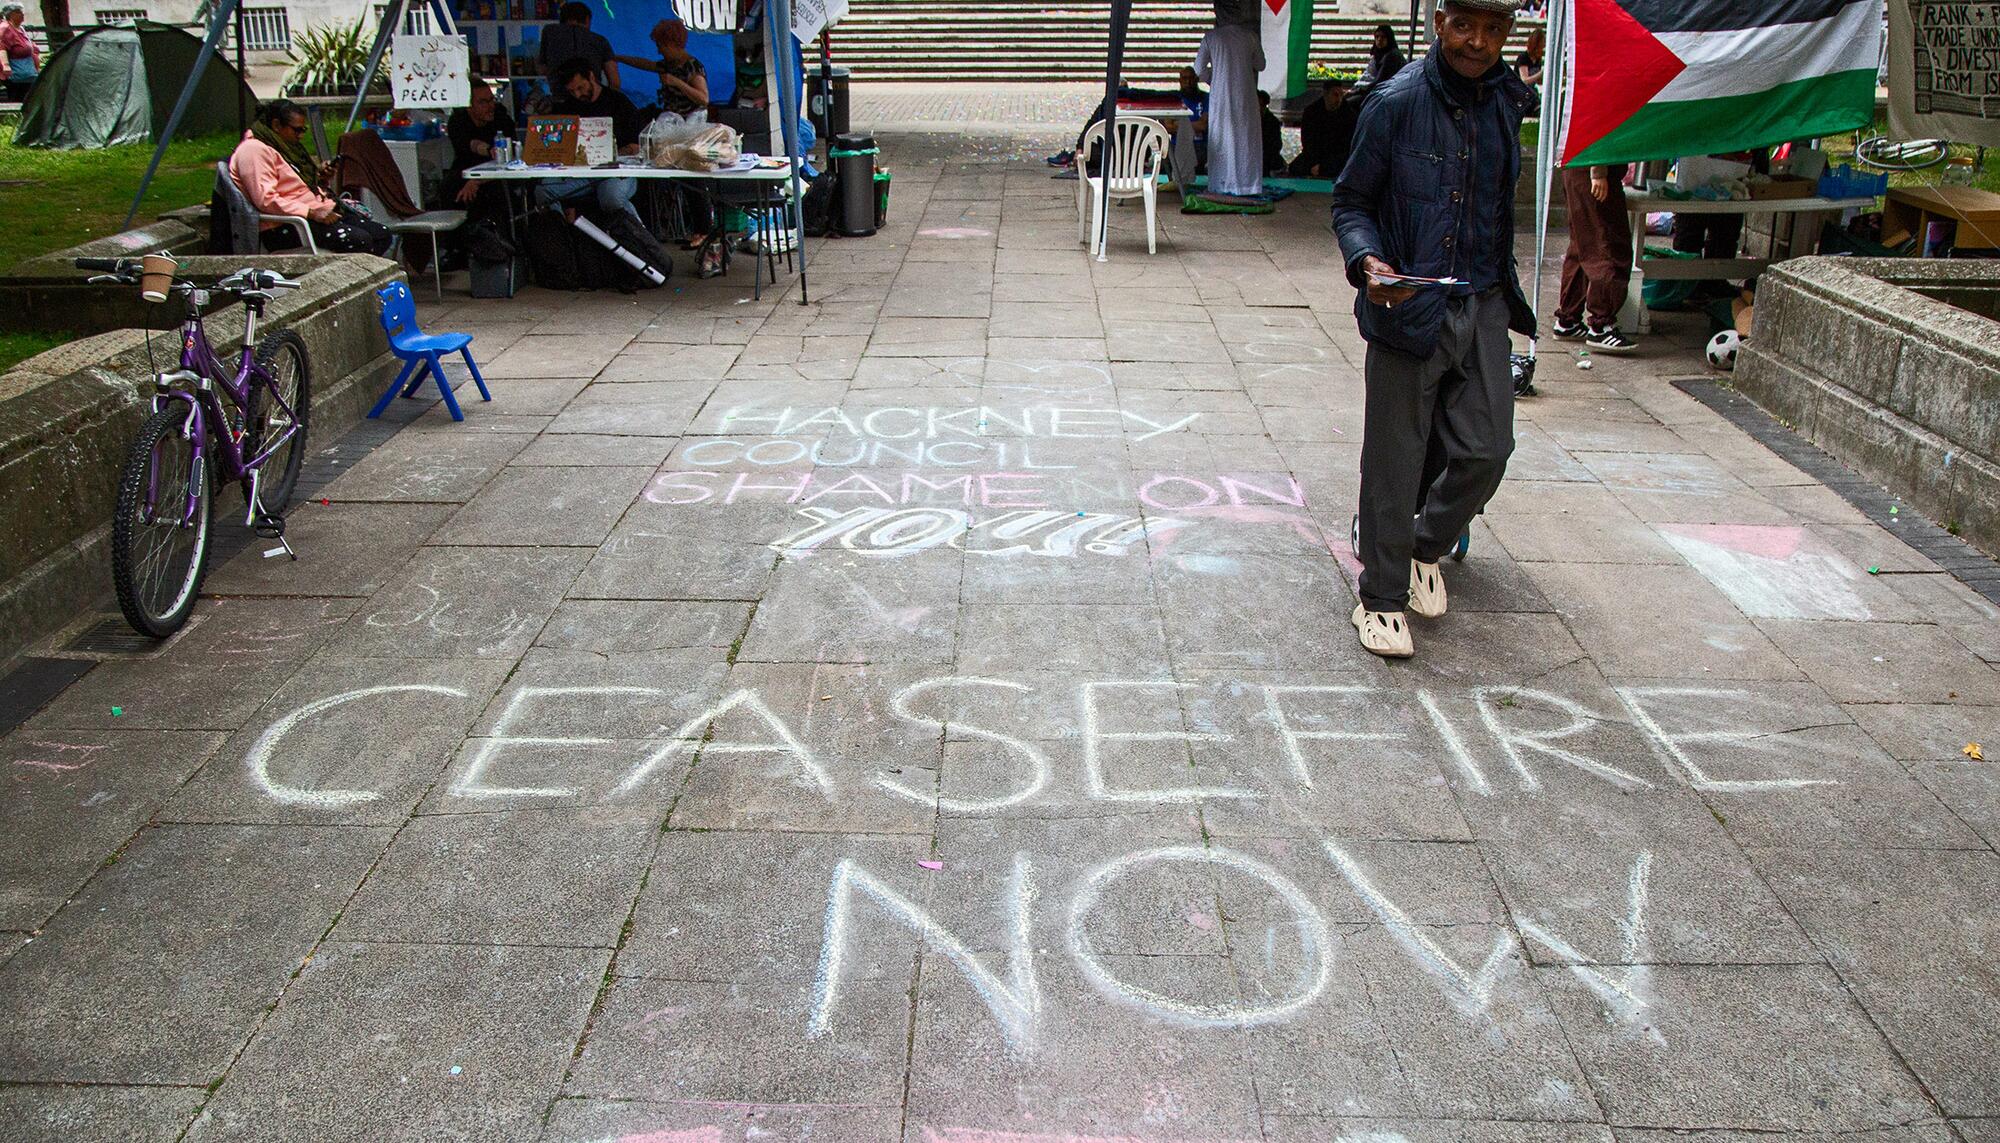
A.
x: 1384, y: 58
x: 24, y: 59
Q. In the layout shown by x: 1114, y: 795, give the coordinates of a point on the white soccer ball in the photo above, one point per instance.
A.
x: 1722, y: 349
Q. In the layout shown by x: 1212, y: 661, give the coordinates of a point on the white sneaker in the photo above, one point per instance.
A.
x: 1426, y: 589
x: 1385, y: 633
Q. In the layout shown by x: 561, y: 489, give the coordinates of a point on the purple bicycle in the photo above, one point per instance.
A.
x: 166, y: 501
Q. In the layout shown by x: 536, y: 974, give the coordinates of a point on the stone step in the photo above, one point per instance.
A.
x: 1016, y: 40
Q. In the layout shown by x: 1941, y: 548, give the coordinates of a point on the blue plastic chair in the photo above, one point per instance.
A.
x: 419, y: 349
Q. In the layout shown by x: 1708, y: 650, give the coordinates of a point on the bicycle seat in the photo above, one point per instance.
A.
x: 252, y: 280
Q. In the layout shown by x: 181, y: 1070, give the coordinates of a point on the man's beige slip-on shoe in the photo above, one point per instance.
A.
x: 1385, y: 633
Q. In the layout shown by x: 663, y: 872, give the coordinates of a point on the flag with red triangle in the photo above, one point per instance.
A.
x: 1658, y: 79
x: 1285, y: 26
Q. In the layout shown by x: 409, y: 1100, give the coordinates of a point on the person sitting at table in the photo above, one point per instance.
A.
x: 571, y: 39
x: 683, y: 79
x: 1326, y: 132
x: 578, y: 93
x: 472, y: 130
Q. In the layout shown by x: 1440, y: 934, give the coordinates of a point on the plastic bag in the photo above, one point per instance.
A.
x: 669, y: 130
x: 714, y: 148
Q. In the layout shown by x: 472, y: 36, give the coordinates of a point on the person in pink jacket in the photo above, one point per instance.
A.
x: 23, y: 59
x: 275, y: 171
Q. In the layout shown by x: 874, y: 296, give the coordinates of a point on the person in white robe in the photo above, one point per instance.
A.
x: 1230, y: 58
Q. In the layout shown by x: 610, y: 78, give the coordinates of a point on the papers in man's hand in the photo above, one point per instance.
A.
x: 1409, y: 281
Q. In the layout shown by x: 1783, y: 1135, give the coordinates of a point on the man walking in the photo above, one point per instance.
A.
x: 1597, y: 267
x: 1429, y: 192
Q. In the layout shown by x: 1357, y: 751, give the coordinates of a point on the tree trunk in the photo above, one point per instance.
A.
x: 55, y: 23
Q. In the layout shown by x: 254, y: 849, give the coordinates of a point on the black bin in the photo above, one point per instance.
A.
x: 832, y: 119
x: 854, y: 172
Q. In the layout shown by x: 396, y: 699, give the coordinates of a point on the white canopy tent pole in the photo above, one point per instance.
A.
x: 1548, y: 142
x: 778, y: 26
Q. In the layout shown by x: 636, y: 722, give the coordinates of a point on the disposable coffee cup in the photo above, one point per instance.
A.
x: 156, y: 276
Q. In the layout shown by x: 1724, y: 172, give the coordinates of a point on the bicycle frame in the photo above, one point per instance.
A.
x: 201, y: 374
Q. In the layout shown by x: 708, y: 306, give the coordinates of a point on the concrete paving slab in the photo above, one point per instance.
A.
x: 1908, y: 934
x: 523, y: 877
x: 427, y: 468
x: 446, y: 1040
x: 75, y: 799
x: 354, y: 548
x: 131, y: 983
x: 589, y: 1120
x: 554, y: 355
x: 637, y: 409
x: 654, y: 1040
x: 1885, y: 662
x: 349, y: 741
x: 1693, y: 631
x: 477, y: 602
x: 690, y: 920
x: 537, y: 507
x: 1702, y: 1023
x: 47, y: 1113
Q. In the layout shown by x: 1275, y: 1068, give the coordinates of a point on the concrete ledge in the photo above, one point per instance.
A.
x: 67, y: 416
x: 1871, y: 360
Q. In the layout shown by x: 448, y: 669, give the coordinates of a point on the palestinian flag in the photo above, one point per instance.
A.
x: 1287, y: 27
x: 1658, y: 79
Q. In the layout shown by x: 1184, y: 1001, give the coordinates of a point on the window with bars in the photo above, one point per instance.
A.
x: 266, y: 29
x: 120, y: 15
x: 416, y: 20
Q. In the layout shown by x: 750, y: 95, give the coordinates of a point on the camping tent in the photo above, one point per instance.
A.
x: 115, y: 85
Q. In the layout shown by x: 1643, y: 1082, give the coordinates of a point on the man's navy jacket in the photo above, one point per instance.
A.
x: 1405, y: 191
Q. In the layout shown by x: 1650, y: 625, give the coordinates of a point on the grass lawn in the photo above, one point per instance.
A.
x: 18, y: 347
x: 54, y: 199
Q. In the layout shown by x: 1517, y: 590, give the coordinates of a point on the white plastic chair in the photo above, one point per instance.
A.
x: 431, y: 222
x: 1132, y: 163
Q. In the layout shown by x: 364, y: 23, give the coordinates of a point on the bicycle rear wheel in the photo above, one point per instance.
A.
x: 283, y: 356
x: 160, y: 530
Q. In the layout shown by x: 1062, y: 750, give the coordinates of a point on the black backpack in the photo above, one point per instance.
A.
x: 553, y: 253
x: 816, y: 206
x: 626, y: 231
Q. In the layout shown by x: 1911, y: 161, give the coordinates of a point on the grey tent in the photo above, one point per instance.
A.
x: 117, y: 84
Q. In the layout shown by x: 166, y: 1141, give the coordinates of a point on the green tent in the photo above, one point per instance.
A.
x: 118, y: 84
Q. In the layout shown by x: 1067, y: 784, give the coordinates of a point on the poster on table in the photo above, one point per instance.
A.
x: 1944, y: 71
x: 430, y: 71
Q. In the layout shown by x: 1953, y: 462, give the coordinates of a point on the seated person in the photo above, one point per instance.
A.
x: 683, y: 80
x: 278, y: 175
x: 1274, y: 135
x: 578, y: 93
x: 1326, y: 132
x: 571, y: 39
x: 472, y: 130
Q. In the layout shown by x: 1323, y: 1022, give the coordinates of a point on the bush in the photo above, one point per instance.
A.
x: 329, y: 59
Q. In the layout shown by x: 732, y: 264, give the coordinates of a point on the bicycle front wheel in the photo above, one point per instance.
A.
x: 283, y: 356
x: 160, y: 532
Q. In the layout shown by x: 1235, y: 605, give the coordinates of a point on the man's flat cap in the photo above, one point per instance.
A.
x: 1508, y: 7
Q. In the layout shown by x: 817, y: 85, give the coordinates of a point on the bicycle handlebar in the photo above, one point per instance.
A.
x: 109, y: 265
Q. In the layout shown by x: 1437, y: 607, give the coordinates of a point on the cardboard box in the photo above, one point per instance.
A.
x: 550, y: 139
x: 1784, y: 186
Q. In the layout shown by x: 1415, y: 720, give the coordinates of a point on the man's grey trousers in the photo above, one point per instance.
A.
x: 1460, y: 401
